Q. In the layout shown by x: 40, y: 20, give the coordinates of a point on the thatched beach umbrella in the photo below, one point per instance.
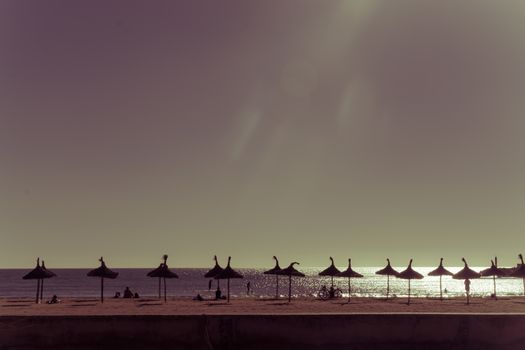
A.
x: 39, y: 273
x: 387, y: 271
x: 291, y: 271
x: 440, y: 271
x: 163, y: 272
x: 410, y: 274
x: 227, y: 274
x: 331, y: 271
x: 493, y: 271
x: 275, y: 271
x: 350, y: 273
x: 102, y: 272
x: 520, y: 272
x: 466, y: 274
x: 214, y: 271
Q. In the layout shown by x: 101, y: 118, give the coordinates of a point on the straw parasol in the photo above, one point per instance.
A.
x: 350, y: 274
x: 102, y: 272
x: 39, y: 273
x: 330, y: 271
x: 520, y: 272
x: 163, y: 272
x: 291, y: 271
x: 387, y: 271
x: 227, y: 274
x: 410, y: 274
x: 215, y: 270
x: 493, y: 271
x: 466, y: 273
x: 275, y: 271
x: 440, y: 271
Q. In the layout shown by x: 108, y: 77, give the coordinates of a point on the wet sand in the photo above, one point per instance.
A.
x: 249, y: 306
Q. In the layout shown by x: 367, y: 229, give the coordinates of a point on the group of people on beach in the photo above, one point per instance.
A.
x: 128, y: 294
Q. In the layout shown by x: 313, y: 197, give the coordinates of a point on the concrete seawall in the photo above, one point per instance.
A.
x: 349, y: 331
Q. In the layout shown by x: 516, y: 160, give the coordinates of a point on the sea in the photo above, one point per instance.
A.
x: 75, y: 283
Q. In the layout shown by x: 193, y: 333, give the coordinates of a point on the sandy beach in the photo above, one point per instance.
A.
x: 244, y: 306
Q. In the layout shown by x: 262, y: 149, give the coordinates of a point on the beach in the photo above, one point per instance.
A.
x: 254, y: 306
x: 261, y: 324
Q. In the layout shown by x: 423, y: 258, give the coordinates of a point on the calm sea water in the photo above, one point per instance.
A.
x: 75, y: 283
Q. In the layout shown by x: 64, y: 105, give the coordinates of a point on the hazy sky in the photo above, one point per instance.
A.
x: 298, y: 128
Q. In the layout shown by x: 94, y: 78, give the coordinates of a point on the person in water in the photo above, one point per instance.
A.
x: 127, y: 293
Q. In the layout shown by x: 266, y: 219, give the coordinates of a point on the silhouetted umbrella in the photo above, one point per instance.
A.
x: 330, y: 271
x: 227, y: 274
x: 466, y: 273
x: 39, y: 273
x: 410, y: 274
x: 493, y: 271
x: 350, y: 274
x: 440, y: 271
x: 387, y: 271
x: 520, y: 272
x: 163, y: 272
x: 275, y: 271
x: 102, y: 272
x: 214, y: 271
x: 291, y: 271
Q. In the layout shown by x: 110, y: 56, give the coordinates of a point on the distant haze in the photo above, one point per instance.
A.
x: 302, y: 129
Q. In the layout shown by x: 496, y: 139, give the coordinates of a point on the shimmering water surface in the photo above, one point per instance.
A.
x: 75, y: 283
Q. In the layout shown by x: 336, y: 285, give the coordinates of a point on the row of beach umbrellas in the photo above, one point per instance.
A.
x: 162, y: 272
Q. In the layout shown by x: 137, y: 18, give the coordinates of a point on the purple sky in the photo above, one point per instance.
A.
x: 301, y: 129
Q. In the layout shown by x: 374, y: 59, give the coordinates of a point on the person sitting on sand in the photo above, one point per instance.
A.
x: 136, y: 295
x: 127, y: 293
x: 54, y: 300
x: 117, y: 295
x: 218, y: 294
x: 198, y: 298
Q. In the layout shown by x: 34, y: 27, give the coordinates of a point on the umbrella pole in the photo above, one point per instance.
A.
x: 349, y: 289
x: 468, y: 298
x: 277, y: 287
x: 290, y: 288
x: 41, y: 290
x: 160, y: 295
x: 228, y: 290
x: 332, y: 281
x: 387, y: 286
x: 523, y: 285
x: 102, y: 290
x: 37, y: 290
x: 409, y: 291
x: 164, y: 289
x: 494, y: 280
x: 440, y: 288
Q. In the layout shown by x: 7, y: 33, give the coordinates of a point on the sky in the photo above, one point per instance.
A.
x: 298, y: 128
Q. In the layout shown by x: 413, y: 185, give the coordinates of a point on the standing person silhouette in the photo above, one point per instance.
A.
x: 467, y: 288
x: 248, y: 288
